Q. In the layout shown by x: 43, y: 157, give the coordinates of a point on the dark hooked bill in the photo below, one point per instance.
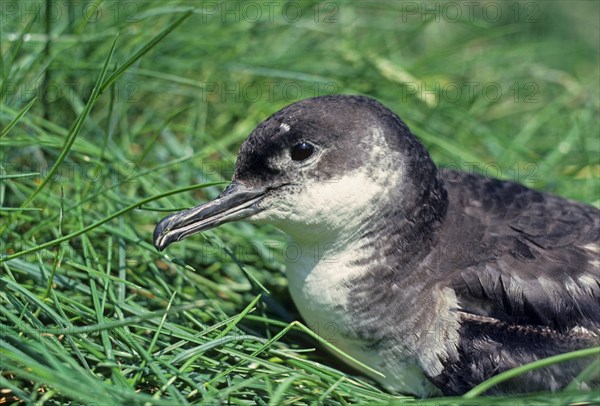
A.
x: 234, y: 203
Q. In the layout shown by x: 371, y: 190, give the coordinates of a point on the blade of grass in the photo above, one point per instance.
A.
x: 591, y: 372
x: 504, y: 376
x: 20, y: 114
x: 280, y: 392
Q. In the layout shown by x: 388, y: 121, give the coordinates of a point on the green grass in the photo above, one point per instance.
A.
x: 107, y: 119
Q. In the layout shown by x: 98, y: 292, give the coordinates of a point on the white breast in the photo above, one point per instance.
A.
x: 317, y: 286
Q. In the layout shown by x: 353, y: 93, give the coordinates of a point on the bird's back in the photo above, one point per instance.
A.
x: 525, y: 267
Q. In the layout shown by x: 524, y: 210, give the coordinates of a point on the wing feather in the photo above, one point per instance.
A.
x: 537, y: 261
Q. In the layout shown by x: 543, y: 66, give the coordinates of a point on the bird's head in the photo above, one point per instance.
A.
x: 315, y: 169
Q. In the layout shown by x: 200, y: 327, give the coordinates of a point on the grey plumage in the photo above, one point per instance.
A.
x: 451, y: 274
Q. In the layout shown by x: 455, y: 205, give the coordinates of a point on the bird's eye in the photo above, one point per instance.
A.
x: 302, y: 151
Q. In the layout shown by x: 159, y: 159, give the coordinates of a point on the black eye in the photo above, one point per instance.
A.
x: 301, y: 151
